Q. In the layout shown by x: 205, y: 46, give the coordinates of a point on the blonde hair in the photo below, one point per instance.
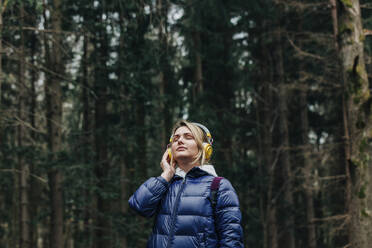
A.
x: 199, y: 136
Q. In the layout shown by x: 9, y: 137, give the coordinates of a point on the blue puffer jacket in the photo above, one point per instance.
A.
x: 184, y: 215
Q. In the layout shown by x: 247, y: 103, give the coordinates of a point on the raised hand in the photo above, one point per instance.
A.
x: 168, y: 169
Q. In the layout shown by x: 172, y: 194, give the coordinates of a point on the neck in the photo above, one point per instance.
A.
x: 187, y: 166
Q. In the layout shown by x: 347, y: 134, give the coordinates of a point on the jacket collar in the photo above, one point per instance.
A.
x: 197, y: 171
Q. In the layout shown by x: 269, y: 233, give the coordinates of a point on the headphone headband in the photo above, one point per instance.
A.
x: 206, y: 131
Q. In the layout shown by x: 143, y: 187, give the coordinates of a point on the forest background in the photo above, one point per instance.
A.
x: 91, y: 89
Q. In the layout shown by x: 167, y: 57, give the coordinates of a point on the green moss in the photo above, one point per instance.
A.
x: 356, y: 162
x: 347, y: 3
x: 366, y: 108
x: 362, y: 192
x: 360, y: 124
x: 361, y: 160
x: 364, y: 145
x: 355, y: 85
x: 362, y: 37
x: 365, y: 212
x: 345, y: 27
x: 365, y: 158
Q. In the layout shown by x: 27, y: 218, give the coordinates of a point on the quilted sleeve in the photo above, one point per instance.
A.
x: 147, y: 197
x: 228, y: 217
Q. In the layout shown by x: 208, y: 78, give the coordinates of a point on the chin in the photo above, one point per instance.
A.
x: 182, y: 157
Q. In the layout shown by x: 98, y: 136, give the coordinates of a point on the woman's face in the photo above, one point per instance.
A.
x: 184, y: 146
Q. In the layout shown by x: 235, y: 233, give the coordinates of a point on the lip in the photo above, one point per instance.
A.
x: 181, y: 148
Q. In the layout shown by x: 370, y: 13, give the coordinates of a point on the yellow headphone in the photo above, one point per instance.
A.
x: 207, y: 146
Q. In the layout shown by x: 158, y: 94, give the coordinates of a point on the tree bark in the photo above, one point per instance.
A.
x: 141, y: 136
x: 22, y: 136
x: 334, y: 21
x: 287, y: 237
x: 54, y: 122
x: 87, y: 139
x: 34, y: 189
x: 267, y: 161
x: 102, y: 165
x: 2, y: 9
x: 198, y: 87
x: 357, y: 124
x: 307, y: 170
x: 124, y: 177
x: 14, y: 239
x: 338, y: 197
x: 124, y: 192
x: 162, y: 9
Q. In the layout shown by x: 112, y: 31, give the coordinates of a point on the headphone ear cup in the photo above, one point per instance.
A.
x: 169, y: 153
x: 208, y: 150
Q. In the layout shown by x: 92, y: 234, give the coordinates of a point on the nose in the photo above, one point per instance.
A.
x: 180, y: 140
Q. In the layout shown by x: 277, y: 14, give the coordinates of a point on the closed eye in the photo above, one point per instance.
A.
x: 189, y: 136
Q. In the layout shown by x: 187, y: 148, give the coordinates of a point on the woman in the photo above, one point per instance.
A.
x: 180, y: 196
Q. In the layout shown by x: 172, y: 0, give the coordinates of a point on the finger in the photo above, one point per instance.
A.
x: 165, y: 156
x: 168, y: 158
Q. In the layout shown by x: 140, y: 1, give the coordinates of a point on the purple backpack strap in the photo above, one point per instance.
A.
x: 216, y: 183
x: 213, y: 197
x: 214, y: 190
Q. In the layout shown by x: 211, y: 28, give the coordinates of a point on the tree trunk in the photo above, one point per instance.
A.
x: 338, y: 197
x: 22, y: 136
x: 124, y: 177
x: 334, y: 21
x: 53, y: 95
x: 124, y: 192
x: 34, y: 189
x: 198, y: 87
x: 287, y: 236
x: 162, y: 8
x: 307, y: 170
x: 357, y: 123
x: 87, y: 232
x: 102, y: 165
x: 267, y: 161
x: 2, y: 9
x: 141, y: 136
x: 267, y: 170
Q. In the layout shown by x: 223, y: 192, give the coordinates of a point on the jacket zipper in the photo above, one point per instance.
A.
x: 174, y: 213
